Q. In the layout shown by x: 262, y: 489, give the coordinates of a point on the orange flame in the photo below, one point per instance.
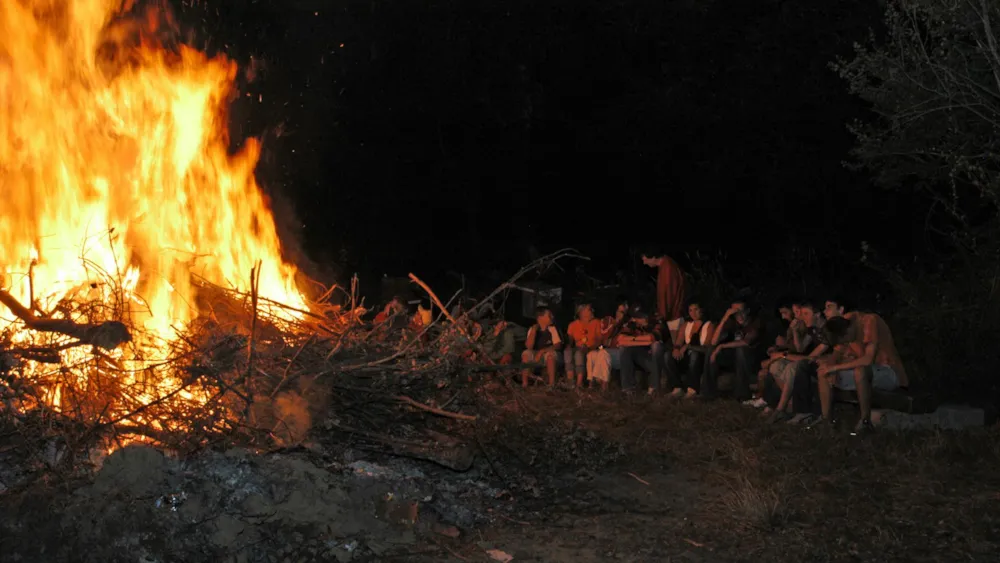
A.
x: 114, y: 163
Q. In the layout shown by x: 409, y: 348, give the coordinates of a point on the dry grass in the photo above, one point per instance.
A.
x: 785, y: 492
x: 755, y: 505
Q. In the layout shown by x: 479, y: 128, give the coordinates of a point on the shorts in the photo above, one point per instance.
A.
x: 533, y: 356
x: 782, y: 370
x: 884, y: 378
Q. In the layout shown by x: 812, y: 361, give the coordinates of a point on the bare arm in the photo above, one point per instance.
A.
x: 529, y: 342
x: 866, y: 359
x: 719, y: 329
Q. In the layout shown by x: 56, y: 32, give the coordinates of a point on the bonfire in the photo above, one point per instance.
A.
x: 127, y: 222
x: 144, y: 293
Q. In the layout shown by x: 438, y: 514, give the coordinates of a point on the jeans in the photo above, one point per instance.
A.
x: 575, y: 360
x: 692, y: 364
x: 804, y: 389
x: 616, y: 357
x: 647, y: 358
x: 741, y: 358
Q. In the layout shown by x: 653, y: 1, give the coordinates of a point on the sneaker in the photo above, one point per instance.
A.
x: 822, y: 422
x: 690, y: 394
x: 777, y: 416
x: 757, y: 403
x: 863, y: 427
x: 676, y: 393
x: 800, y: 418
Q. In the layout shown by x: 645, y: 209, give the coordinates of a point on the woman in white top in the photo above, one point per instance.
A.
x: 695, y: 332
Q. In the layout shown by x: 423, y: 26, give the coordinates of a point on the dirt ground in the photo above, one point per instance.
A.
x: 559, y: 476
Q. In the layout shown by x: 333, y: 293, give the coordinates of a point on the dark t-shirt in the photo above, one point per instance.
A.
x: 733, y: 331
x: 816, y: 337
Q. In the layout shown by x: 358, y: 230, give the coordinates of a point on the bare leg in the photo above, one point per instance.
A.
x: 525, y: 374
x: 579, y: 377
x: 762, y: 379
x: 825, y: 385
x: 550, y: 366
x: 786, y: 393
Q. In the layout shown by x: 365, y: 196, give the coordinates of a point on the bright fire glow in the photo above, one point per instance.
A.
x: 114, y: 166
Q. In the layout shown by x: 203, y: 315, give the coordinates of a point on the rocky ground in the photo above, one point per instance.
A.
x: 558, y: 476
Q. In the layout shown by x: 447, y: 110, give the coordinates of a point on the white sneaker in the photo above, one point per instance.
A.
x: 757, y: 403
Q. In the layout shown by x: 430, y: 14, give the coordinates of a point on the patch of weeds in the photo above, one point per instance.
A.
x: 756, y: 506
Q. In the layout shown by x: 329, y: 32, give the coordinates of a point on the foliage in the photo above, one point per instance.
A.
x: 934, y: 86
x: 933, y: 83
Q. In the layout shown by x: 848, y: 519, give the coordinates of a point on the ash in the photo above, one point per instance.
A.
x: 145, y: 506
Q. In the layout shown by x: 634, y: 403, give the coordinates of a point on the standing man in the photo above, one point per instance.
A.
x: 669, y: 285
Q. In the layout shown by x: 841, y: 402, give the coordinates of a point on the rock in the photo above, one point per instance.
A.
x: 946, y: 417
x: 959, y: 417
x: 447, y: 531
x: 895, y: 420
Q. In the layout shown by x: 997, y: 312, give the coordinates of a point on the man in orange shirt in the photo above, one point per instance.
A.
x: 583, y: 337
x: 864, y: 357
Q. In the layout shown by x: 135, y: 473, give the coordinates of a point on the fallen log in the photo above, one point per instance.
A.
x: 441, y: 449
x: 107, y: 335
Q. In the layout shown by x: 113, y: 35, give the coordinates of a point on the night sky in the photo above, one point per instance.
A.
x: 446, y: 134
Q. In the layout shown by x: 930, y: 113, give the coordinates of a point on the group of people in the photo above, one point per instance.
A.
x: 818, y: 349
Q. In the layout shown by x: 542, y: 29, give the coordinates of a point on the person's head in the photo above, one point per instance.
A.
x: 786, y: 313
x: 544, y: 317
x: 809, y: 314
x: 840, y: 330
x: 695, y: 312
x: 651, y: 256
x: 796, y: 311
x: 397, y: 305
x: 834, y: 307
x: 639, y: 316
x: 499, y: 327
x: 585, y: 312
x: 622, y: 310
x: 742, y: 309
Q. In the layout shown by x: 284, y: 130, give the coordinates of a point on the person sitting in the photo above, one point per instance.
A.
x: 864, y: 357
x: 542, y: 345
x: 396, y: 306
x: 796, y: 378
x: 641, y: 342
x: 583, y: 336
x: 501, y: 343
x: 687, y: 355
x: 791, y: 338
x: 392, y: 321
x: 600, y: 362
x: 733, y: 343
x: 806, y: 348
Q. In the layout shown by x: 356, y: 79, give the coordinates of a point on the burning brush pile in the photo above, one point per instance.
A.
x: 138, y: 254
x: 143, y: 292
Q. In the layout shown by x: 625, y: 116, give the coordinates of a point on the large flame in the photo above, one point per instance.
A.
x: 117, y: 189
x: 114, y: 164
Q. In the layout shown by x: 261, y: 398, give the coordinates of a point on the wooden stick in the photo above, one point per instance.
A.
x: 108, y: 335
x: 251, y: 344
x: 449, y: 414
x: 637, y: 478
x: 472, y: 342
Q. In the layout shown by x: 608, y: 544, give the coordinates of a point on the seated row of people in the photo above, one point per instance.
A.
x: 817, y: 352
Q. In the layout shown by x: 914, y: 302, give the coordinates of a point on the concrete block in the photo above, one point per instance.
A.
x: 895, y: 420
x: 959, y: 417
